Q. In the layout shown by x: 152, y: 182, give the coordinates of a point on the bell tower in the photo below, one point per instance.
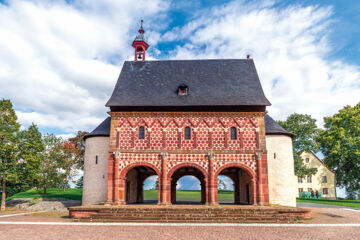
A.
x: 140, y: 44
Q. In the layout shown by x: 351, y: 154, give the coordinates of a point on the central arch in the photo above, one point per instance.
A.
x: 134, y: 175
x: 188, y: 169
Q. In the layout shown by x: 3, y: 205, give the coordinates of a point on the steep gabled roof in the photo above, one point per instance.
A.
x: 273, y: 128
x: 102, y: 130
x: 225, y: 82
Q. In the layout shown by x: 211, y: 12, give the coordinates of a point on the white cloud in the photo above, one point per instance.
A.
x: 59, y: 62
x: 291, y: 50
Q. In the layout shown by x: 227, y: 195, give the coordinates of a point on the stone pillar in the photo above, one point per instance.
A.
x: 254, y: 192
x: 110, y: 195
x: 164, y: 183
x: 116, y: 178
x: 132, y: 143
x: 260, y: 197
x: 195, y: 137
x: 212, y: 185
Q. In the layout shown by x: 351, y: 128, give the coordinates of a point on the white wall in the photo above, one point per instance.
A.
x: 95, y: 175
x: 282, y: 185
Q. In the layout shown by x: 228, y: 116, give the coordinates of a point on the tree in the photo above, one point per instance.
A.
x: 306, y: 133
x: 80, y: 182
x: 50, y: 167
x: 221, y: 185
x: 78, y: 140
x: 9, y: 129
x: 156, y: 187
x: 70, y: 156
x: 340, y: 144
x: 31, y: 146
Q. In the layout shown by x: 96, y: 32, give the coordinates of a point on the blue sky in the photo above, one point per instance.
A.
x: 60, y: 59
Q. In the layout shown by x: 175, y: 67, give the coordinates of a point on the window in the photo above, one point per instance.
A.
x: 274, y: 155
x: 324, y: 179
x: 307, y: 160
x: 141, y: 132
x: 301, y: 190
x: 233, y: 133
x: 96, y: 159
x: 187, y: 133
x: 300, y: 180
x: 325, y: 191
x: 309, y: 179
x: 309, y: 189
x: 183, y: 90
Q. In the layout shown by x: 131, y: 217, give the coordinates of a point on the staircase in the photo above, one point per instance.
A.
x: 193, y: 214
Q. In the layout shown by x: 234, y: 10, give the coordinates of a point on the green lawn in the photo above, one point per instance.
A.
x: 345, y: 203
x: 190, y: 195
x: 71, y: 193
x: 76, y: 194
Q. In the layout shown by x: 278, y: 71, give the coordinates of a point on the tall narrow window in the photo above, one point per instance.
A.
x: 300, y: 180
x: 96, y: 159
x: 187, y: 133
x: 325, y: 191
x: 233, y: 133
x: 324, y: 179
x: 309, y: 179
x: 141, y: 132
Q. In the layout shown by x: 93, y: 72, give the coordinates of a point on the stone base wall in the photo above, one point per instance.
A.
x: 95, y: 172
x: 282, y: 186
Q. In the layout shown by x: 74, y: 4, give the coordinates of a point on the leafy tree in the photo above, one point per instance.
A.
x: 31, y: 146
x: 80, y: 182
x: 340, y: 144
x: 306, y: 132
x: 69, y: 158
x: 50, y: 165
x: 9, y: 128
x: 156, y: 187
x: 221, y: 185
x: 78, y: 140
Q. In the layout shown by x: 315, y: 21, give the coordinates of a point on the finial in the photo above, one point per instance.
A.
x: 141, y: 30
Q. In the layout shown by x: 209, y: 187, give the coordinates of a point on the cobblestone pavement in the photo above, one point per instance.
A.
x: 174, y: 232
x: 320, y: 215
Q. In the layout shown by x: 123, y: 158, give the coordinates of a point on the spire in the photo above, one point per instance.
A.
x: 140, y: 44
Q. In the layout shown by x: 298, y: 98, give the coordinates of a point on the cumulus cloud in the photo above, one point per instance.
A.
x: 59, y: 62
x: 290, y: 47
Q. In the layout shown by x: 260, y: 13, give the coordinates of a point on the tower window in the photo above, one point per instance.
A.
x: 96, y: 159
x: 187, y: 133
x: 324, y: 179
x: 307, y: 160
x: 141, y: 132
x: 233, y: 133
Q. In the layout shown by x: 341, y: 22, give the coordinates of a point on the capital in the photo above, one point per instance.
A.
x: 258, y: 156
x: 118, y: 129
x: 164, y: 155
x: 210, y: 155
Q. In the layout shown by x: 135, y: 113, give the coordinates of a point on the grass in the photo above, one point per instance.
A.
x: 71, y: 193
x: 345, y: 203
x: 190, y: 195
x: 76, y: 194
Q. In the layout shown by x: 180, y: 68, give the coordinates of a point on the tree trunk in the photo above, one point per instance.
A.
x: 45, y: 189
x: 3, y: 195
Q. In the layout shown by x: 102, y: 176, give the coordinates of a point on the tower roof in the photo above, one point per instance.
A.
x: 273, y: 128
x: 222, y: 82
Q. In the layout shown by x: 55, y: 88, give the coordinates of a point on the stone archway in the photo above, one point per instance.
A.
x: 244, y: 180
x: 188, y: 169
x: 132, y: 179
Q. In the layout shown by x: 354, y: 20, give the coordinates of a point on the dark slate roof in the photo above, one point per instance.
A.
x: 225, y: 82
x: 273, y: 128
x: 102, y: 130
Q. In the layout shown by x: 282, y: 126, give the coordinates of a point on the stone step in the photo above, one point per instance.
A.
x: 256, y: 220
x: 186, y: 215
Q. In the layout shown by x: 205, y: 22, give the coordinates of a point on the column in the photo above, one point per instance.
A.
x: 212, y: 186
x: 260, y: 197
x: 164, y: 183
x: 116, y: 178
x: 254, y: 190
x: 110, y: 196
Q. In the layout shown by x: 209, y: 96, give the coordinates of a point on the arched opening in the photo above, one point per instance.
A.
x: 195, y: 192
x: 134, y: 185
x: 151, y: 190
x: 225, y: 186
x: 243, y: 185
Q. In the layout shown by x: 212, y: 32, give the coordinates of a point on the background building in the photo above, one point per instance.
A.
x: 323, y: 181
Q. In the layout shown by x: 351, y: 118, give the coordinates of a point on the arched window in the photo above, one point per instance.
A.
x: 141, y: 132
x: 187, y: 133
x: 233, y: 133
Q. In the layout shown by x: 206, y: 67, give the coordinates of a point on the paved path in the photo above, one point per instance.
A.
x: 327, y: 223
x: 319, y: 205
